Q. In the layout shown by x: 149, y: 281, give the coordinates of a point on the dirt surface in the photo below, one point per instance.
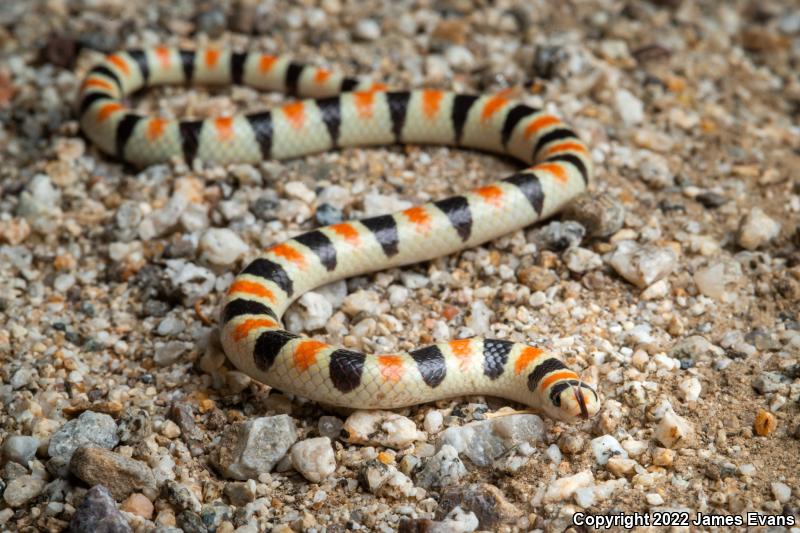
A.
x: 683, y: 308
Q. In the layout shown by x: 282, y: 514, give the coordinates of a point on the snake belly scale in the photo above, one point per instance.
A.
x: 346, y: 112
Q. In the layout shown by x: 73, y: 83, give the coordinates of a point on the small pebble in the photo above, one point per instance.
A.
x: 221, y: 246
x: 254, y: 447
x: 570, y: 443
x: 381, y: 428
x: 441, y: 470
x: 22, y: 489
x: 642, y: 265
x: 89, y: 429
x: 386, y: 481
x: 621, y: 466
x: 781, y: 491
x: 757, y: 229
x: 485, y: 441
x: 606, y: 447
x: 690, y: 389
x: 314, y: 458
x: 367, y: 29
x: 240, y: 493
x: 330, y: 426
x: 433, y: 422
x: 98, y: 512
x: 139, y: 505
x: 564, y: 488
x: 629, y: 107
x: 674, y: 431
x: 488, y: 503
x: 326, y: 214
x: 765, y: 423
x: 20, y: 448
x: 663, y: 457
x: 582, y: 260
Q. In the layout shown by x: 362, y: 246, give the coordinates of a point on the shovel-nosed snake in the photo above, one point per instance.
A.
x: 345, y: 112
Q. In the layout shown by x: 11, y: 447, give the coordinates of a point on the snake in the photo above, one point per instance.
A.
x: 332, y: 111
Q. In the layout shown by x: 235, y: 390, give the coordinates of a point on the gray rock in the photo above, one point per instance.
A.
x: 12, y: 470
x: 212, y: 21
x: 486, y: 440
x: 182, y: 414
x: 23, y: 377
x: 330, y: 426
x: 240, y: 493
x: 487, y: 502
x: 694, y: 348
x: 441, y: 470
x: 22, y: 489
x: 191, y: 522
x: 643, y: 265
x: 582, y: 260
x: 90, y: 428
x: 769, y: 382
x: 255, y: 447
x: 121, y: 475
x: 654, y: 170
x: 606, y: 447
x: 629, y: 107
x: 213, y: 514
x: 385, y: 480
x: 601, y: 214
x: 134, y: 426
x: 170, y: 352
x: 20, y: 448
x: 559, y: 236
x: 180, y: 496
x: 98, y: 513
x: 328, y: 214
x: 757, y: 229
x: 457, y: 521
x: 367, y: 29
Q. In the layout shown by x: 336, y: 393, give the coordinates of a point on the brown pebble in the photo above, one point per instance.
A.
x: 450, y: 312
x: 61, y: 51
x: 16, y: 230
x: 7, y: 89
x: 765, y: 423
x: 139, y: 505
x: 537, y: 278
x: 121, y: 475
x: 453, y: 31
x: 108, y: 407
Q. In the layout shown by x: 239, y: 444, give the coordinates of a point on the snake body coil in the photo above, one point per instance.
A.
x: 349, y: 112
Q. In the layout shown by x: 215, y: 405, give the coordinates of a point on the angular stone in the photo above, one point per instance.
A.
x: 487, y: 502
x: 381, y: 428
x: 89, y: 429
x: 441, y: 470
x: 486, y: 440
x: 98, y: 513
x: 22, y: 489
x: 314, y: 458
x: 121, y: 475
x: 254, y: 447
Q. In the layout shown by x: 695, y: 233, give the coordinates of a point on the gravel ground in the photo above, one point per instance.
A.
x: 674, y: 286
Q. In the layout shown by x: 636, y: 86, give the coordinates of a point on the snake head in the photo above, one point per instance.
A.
x: 571, y: 401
